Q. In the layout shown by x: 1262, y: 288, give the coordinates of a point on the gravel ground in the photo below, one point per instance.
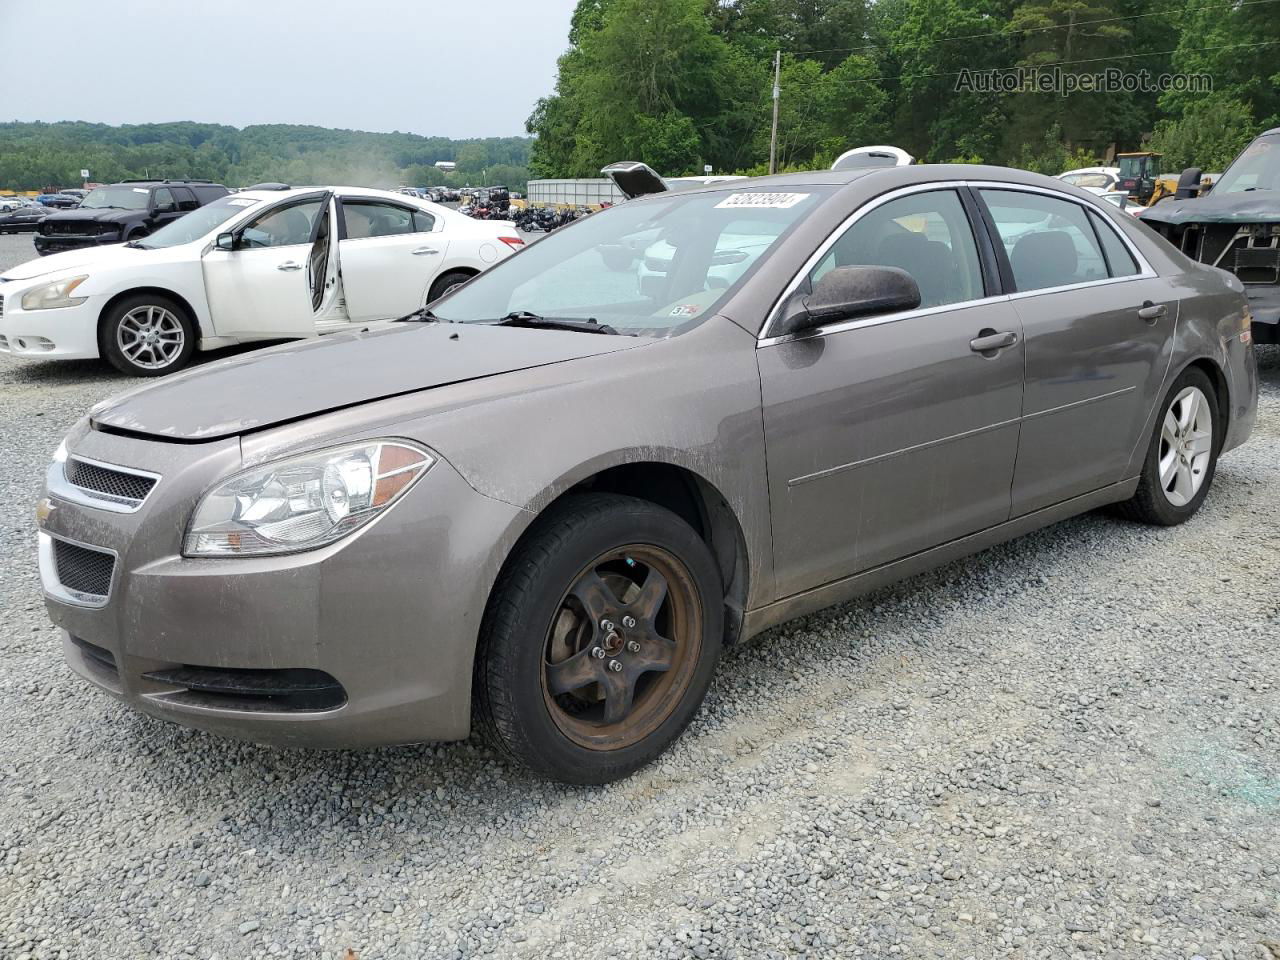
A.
x: 1063, y: 746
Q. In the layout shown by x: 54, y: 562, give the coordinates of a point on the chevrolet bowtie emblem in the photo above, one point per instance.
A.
x: 44, y: 509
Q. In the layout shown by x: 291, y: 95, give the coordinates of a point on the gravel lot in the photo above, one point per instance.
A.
x: 1064, y: 746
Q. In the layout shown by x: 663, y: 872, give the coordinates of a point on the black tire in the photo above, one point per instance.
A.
x: 447, y: 282
x: 512, y: 704
x: 136, y: 234
x: 1150, y: 504
x: 109, y: 341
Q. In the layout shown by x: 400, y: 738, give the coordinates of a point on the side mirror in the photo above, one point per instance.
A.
x: 163, y: 208
x: 846, y: 293
x: 1188, y: 184
x: 226, y: 241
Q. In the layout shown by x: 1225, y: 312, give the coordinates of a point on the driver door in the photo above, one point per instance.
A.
x: 279, y: 274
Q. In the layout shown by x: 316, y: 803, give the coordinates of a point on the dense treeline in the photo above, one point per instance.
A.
x: 680, y: 83
x: 38, y: 155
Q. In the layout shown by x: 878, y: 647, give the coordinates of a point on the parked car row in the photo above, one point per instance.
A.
x: 545, y: 500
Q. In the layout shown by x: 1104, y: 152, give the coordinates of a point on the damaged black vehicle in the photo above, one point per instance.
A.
x: 1235, y: 226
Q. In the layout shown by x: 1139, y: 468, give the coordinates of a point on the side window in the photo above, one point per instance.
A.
x: 927, y: 235
x: 374, y: 219
x: 186, y: 199
x: 1049, y: 241
x: 206, y: 194
x: 162, y: 197
x: 1119, y: 260
x: 282, y: 226
x: 423, y: 222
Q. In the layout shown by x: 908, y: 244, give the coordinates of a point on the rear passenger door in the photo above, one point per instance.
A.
x: 891, y: 434
x: 388, y: 253
x: 1098, y: 325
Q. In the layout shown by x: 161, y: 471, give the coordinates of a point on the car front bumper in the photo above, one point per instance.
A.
x: 390, y: 615
x: 58, y: 244
x: 63, y: 333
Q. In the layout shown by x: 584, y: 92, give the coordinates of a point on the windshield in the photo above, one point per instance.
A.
x: 197, y: 223
x: 1257, y: 168
x: 655, y: 267
x: 124, y: 198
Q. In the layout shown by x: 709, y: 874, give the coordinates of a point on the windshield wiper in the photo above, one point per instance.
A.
x: 421, y: 315
x: 523, y: 318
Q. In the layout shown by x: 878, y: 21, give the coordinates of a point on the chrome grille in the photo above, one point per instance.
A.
x: 83, y: 572
x: 102, y: 482
x: 1, y: 305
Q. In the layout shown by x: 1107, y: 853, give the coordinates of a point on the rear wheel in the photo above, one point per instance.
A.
x: 1183, y: 454
x: 600, y: 639
x: 446, y: 283
x: 147, y: 335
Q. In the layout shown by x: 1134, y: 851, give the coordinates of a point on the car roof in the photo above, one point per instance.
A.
x: 346, y: 191
x: 890, y: 176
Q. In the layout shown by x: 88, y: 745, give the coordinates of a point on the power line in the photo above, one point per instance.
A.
x: 1044, y: 66
x: 1060, y: 26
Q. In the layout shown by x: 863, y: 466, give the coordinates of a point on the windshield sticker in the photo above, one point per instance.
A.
x: 241, y: 202
x: 762, y: 201
x: 685, y: 310
x: 140, y: 190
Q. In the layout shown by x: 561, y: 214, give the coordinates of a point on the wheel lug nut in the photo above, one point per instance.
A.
x: 598, y: 653
x: 628, y: 621
x: 633, y: 646
x: 615, y: 665
x: 606, y: 626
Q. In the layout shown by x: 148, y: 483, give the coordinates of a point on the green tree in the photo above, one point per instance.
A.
x: 1209, y: 134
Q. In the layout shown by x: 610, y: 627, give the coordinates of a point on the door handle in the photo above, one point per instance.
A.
x: 289, y: 265
x: 988, y: 342
x: 424, y: 251
x: 1151, y: 312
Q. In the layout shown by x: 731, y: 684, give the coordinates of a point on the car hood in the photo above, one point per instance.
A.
x: 98, y: 214
x: 104, y: 256
x: 311, y: 377
x: 1254, y: 206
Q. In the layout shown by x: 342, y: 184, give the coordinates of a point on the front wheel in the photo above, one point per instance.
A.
x: 147, y: 335
x: 1183, y: 454
x: 600, y: 639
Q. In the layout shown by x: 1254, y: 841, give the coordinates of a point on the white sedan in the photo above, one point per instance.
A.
x: 267, y: 263
x: 1097, y: 180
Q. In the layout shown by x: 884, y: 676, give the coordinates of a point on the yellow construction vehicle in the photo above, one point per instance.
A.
x: 1140, y: 176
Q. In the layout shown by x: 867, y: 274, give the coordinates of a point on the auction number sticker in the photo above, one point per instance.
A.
x: 761, y: 201
x: 242, y: 202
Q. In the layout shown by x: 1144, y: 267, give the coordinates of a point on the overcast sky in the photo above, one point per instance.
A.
x: 466, y: 68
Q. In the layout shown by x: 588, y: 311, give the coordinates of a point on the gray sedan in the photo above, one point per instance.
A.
x: 545, y: 505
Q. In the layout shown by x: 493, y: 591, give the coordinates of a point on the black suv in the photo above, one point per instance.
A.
x: 122, y: 212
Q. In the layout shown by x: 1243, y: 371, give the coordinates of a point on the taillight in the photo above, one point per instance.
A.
x: 513, y: 242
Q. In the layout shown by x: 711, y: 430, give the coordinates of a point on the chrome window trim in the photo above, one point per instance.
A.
x: 62, y: 488
x: 53, y: 585
x: 765, y: 339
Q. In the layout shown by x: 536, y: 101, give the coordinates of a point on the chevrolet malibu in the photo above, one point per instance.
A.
x: 543, y: 505
x: 268, y: 263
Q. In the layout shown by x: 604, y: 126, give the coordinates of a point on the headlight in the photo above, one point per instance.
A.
x: 55, y: 294
x: 303, y: 502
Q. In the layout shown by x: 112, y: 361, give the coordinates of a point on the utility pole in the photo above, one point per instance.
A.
x: 773, y: 138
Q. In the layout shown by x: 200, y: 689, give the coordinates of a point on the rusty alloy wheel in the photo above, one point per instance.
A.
x: 622, y: 648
